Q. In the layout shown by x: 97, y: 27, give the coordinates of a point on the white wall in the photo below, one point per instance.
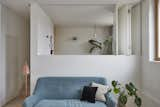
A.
x: 44, y: 29
x: 64, y: 44
x: 13, y: 53
x: 150, y: 69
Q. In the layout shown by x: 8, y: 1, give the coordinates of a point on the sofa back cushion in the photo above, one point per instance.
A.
x: 64, y: 87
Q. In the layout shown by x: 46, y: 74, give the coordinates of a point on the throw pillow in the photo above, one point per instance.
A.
x: 88, y: 94
x: 101, y: 91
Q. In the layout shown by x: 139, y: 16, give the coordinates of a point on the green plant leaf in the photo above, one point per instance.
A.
x: 95, y: 43
x: 130, y: 94
x: 90, y: 51
x: 114, y: 83
x: 116, y: 90
x: 131, y: 90
x: 138, y: 101
x: 133, y: 86
x: 123, y: 99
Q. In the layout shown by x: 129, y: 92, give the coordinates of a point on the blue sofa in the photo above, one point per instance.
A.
x: 64, y: 92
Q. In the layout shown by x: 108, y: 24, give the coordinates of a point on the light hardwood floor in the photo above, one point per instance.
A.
x: 17, y: 102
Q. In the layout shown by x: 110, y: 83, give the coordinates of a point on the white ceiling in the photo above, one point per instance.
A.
x: 46, y: 2
x: 19, y: 6
x: 64, y: 12
x: 81, y: 15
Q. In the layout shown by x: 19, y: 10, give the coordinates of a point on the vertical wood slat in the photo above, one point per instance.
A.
x: 27, y: 90
x: 157, y: 57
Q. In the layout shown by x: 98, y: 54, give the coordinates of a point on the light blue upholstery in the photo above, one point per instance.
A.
x: 69, y: 103
x: 60, y: 91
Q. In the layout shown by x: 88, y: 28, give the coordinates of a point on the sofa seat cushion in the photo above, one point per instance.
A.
x: 69, y: 103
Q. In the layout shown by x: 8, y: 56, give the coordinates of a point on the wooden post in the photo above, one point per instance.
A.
x: 156, y: 3
x: 26, y: 93
x: 27, y: 85
x: 26, y: 73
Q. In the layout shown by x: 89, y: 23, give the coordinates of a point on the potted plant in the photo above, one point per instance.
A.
x: 108, y: 45
x: 124, y: 92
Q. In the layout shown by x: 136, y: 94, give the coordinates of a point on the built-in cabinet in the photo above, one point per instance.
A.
x: 14, y: 51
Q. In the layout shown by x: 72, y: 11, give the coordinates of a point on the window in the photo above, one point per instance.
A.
x: 157, y: 29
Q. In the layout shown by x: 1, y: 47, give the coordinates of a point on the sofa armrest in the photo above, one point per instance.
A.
x: 31, y: 101
x: 111, y: 101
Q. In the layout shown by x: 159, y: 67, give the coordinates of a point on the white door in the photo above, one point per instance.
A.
x: 11, y: 66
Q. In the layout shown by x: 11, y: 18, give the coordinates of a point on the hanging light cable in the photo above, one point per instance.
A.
x: 95, y: 34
